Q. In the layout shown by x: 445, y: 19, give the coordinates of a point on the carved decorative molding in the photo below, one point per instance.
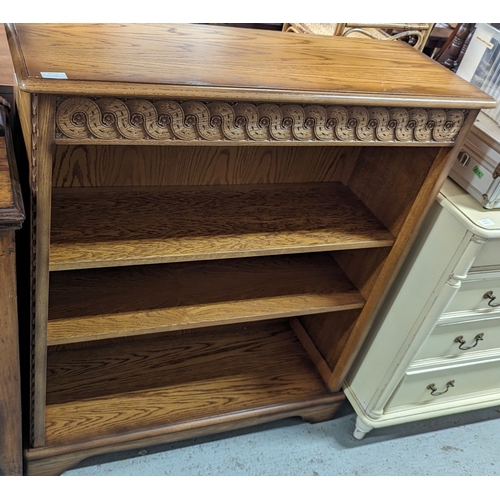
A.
x: 33, y: 205
x: 109, y: 119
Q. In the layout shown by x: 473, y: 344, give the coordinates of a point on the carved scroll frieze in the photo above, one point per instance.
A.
x: 111, y: 119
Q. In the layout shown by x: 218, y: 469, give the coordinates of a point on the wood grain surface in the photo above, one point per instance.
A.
x: 100, y: 227
x: 11, y: 463
x: 158, y: 380
x: 42, y: 122
x: 6, y: 192
x: 11, y: 218
x: 93, y: 304
x: 115, y: 166
x: 329, y: 333
x: 415, y: 210
x: 11, y: 202
x: 54, y: 460
x: 387, y: 179
x: 218, y: 62
x: 6, y: 67
x: 121, y: 202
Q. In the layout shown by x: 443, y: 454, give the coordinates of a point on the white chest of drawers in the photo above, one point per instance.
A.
x: 434, y: 348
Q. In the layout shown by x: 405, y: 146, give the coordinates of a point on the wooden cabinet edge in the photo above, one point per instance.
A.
x: 399, y: 251
x: 54, y: 460
x: 11, y: 219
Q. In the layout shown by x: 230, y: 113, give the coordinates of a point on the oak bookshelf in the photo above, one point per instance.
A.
x: 211, y: 234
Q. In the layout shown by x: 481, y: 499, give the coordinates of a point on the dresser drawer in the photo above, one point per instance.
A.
x: 489, y: 255
x: 456, y: 339
x: 434, y: 386
x: 472, y: 294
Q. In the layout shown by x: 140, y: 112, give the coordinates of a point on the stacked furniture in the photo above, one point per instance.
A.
x: 217, y: 214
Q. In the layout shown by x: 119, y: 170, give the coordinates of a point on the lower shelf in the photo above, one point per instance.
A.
x: 163, y: 382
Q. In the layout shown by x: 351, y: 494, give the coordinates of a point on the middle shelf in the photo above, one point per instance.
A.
x: 105, y: 303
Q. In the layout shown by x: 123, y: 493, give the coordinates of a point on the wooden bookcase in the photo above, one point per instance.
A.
x: 217, y: 214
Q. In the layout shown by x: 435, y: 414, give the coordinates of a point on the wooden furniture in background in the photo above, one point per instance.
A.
x: 6, y: 70
x: 217, y: 214
x: 439, y: 35
x: 11, y: 218
x: 452, y: 52
x: 255, y: 26
x: 416, y: 34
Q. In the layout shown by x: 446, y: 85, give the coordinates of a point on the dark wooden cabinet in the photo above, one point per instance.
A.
x: 217, y: 214
x: 11, y: 218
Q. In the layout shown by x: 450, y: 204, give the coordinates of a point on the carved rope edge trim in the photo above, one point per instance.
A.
x: 33, y: 231
x: 167, y: 120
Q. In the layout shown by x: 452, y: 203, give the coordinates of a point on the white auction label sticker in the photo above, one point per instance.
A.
x: 54, y: 74
x: 485, y: 42
x: 486, y: 222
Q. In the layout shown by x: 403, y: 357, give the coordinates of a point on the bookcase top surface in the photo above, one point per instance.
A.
x: 212, y: 62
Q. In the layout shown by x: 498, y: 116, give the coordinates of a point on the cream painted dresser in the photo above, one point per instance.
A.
x: 434, y: 349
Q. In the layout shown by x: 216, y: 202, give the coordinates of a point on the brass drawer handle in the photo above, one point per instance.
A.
x: 433, y: 388
x: 489, y: 295
x: 460, y: 340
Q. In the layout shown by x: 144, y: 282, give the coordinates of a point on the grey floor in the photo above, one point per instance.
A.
x: 467, y: 444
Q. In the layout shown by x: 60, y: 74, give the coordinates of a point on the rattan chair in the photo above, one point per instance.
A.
x: 416, y: 34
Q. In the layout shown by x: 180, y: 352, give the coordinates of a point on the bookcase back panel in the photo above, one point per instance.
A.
x: 121, y: 166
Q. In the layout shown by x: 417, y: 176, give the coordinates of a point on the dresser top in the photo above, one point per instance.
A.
x: 479, y: 220
x: 203, y: 61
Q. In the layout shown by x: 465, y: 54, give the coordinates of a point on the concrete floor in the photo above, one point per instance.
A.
x: 467, y: 444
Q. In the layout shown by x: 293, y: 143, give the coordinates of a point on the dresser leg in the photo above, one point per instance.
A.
x: 361, y: 429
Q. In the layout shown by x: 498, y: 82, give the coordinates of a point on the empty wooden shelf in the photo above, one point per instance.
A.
x: 197, y: 375
x: 113, y: 227
x: 102, y: 303
x: 216, y: 216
